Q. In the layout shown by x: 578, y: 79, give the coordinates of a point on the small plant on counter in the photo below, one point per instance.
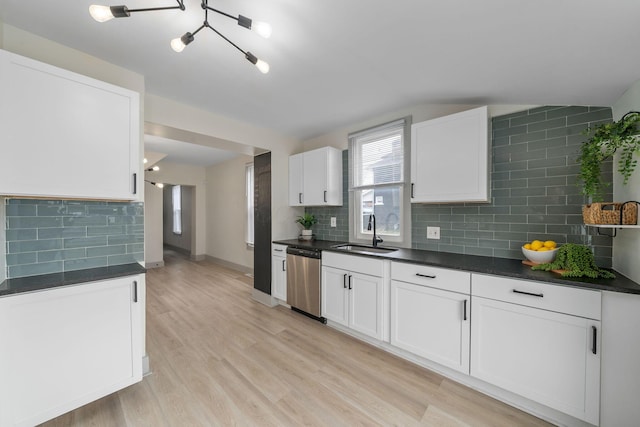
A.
x: 307, y: 220
x: 577, y: 261
x: 605, y: 140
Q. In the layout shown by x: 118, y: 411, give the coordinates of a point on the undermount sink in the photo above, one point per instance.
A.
x: 364, y: 249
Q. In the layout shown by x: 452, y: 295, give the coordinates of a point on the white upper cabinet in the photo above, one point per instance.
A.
x: 66, y: 135
x: 450, y: 158
x: 315, y: 178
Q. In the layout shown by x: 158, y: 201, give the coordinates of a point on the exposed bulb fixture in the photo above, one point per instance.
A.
x: 144, y: 160
x: 157, y: 184
x: 106, y: 13
x: 262, y: 28
x: 154, y: 169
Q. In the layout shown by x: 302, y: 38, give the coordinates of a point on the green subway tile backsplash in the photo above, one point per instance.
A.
x: 533, y: 185
x: 52, y: 236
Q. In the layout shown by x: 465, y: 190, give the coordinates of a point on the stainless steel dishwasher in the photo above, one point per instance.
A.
x: 303, y: 281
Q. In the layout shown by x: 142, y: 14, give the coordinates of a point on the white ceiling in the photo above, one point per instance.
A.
x: 186, y: 153
x: 337, y: 62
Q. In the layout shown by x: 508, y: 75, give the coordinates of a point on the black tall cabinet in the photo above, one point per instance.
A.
x: 262, y: 223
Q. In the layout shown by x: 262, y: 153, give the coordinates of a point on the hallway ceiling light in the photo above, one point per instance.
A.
x: 157, y: 184
x: 153, y: 169
x: 106, y: 13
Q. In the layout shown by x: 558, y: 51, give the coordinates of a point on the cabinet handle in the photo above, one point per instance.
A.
x: 283, y: 265
x: 464, y: 308
x: 344, y: 281
x: 426, y: 275
x: 325, y: 196
x: 349, y: 282
x: 412, y: 184
x: 278, y: 250
x: 135, y: 183
x: 594, y: 347
x: 135, y: 291
x: 540, y: 295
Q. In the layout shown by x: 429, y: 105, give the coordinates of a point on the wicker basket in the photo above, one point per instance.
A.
x: 611, y: 213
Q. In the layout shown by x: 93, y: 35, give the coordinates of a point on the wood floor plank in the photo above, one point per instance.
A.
x: 218, y: 358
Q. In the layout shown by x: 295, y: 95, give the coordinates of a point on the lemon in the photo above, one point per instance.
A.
x: 544, y: 249
x: 536, y: 244
x: 527, y: 246
x: 550, y: 244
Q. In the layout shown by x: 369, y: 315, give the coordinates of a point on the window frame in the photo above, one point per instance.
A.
x: 249, y: 193
x: 176, y: 212
x: 355, y: 192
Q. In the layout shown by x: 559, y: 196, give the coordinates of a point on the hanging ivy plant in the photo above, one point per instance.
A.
x: 605, y: 140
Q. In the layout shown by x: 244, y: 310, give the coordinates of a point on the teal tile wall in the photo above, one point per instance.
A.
x: 534, y: 191
x: 52, y: 236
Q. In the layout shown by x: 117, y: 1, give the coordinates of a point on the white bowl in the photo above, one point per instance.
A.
x: 540, y: 257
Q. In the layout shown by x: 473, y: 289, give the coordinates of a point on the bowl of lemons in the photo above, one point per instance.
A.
x: 540, y: 252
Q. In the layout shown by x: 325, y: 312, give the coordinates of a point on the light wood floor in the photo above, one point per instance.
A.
x: 220, y: 359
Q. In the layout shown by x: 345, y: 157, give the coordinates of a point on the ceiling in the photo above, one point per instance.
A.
x: 182, y: 152
x: 335, y: 62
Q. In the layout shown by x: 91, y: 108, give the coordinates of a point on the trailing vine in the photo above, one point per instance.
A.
x: 606, y: 139
x: 578, y: 261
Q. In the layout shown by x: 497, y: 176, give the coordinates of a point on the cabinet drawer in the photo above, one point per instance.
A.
x: 435, y: 277
x: 278, y: 250
x: 577, y: 302
x: 354, y: 263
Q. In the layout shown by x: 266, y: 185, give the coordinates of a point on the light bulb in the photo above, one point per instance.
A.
x: 262, y: 28
x: 262, y: 66
x: 100, y: 13
x: 144, y: 161
x: 177, y: 45
x: 156, y: 168
x: 160, y: 185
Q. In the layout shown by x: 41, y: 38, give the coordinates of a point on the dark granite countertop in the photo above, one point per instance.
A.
x: 481, y: 264
x: 47, y: 281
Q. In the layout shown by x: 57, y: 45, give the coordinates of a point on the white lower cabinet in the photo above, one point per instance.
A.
x: 279, y: 272
x: 550, y: 357
x: 427, y: 318
x: 352, y: 298
x: 65, y: 347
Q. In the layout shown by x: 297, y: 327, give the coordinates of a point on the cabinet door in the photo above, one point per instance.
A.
x: 315, y: 177
x: 69, y: 135
x: 296, y: 179
x: 335, y: 295
x: 279, y: 277
x: 69, y: 346
x: 365, y: 304
x: 551, y: 358
x: 450, y: 158
x: 431, y: 323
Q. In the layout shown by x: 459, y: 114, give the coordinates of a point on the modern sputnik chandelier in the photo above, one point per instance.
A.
x: 106, y: 13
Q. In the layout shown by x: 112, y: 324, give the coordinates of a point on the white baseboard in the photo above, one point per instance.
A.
x: 232, y: 265
x: 263, y: 298
x: 154, y: 264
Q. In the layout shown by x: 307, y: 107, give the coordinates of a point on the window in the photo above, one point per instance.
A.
x: 176, y: 203
x: 378, y: 167
x: 249, y: 203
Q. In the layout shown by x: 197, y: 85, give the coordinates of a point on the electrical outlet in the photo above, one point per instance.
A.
x: 433, y: 233
x: 333, y: 221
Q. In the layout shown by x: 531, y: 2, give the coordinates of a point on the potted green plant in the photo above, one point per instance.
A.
x: 307, y: 220
x: 575, y: 260
x: 605, y: 140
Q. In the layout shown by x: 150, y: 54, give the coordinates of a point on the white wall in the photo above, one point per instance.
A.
x: 226, y: 212
x: 419, y: 113
x: 626, y: 245
x: 177, y: 173
x: 153, y: 226
x: 181, y: 116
